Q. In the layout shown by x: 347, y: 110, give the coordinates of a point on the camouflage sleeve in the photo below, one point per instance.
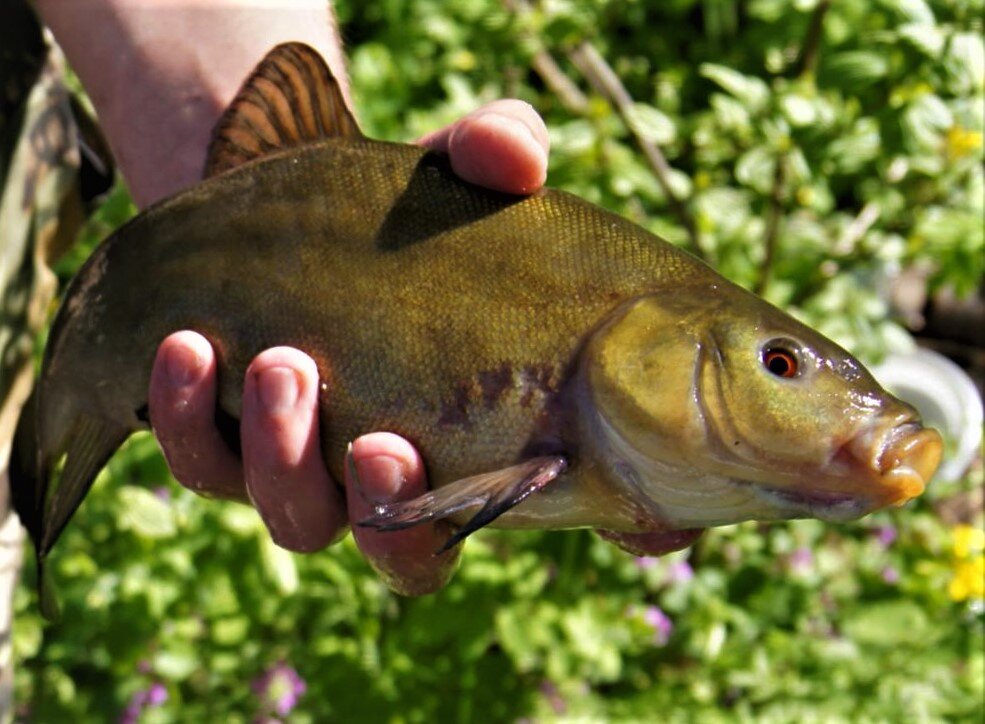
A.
x: 40, y: 212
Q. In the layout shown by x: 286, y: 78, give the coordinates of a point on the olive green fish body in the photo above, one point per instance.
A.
x: 556, y: 365
x: 457, y: 328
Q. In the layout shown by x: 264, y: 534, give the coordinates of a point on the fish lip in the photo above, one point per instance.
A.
x: 898, y: 459
x: 888, y: 463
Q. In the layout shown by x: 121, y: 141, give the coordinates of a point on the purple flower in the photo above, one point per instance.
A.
x: 886, y: 535
x: 279, y: 688
x: 660, y: 623
x: 801, y: 560
x: 155, y: 695
x: 162, y: 493
x: 645, y: 563
x: 550, y: 692
x: 890, y: 575
x: 680, y: 572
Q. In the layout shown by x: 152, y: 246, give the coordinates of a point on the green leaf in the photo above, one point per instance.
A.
x: 889, y: 624
x: 651, y: 124
x: 799, y: 111
x: 924, y: 122
x: 176, y: 664
x: 230, y: 631
x: 856, y: 69
x: 279, y: 566
x: 755, y: 169
x: 965, y: 62
x: 146, y: 514
x: 914, y: 11
x: 752, y: 91
x: 928, y: 39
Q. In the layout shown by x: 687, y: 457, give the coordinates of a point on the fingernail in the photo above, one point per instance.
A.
x: 183, y: 365
x: 380, y: 478
x: 278, y: 389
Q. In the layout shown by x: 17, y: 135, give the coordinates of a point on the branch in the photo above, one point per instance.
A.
x: 543, y: 63
x: 554, y: 78
x: 773, y: 219
x: 857, y: 229
x: 605, y: 82
x: 807, y: 60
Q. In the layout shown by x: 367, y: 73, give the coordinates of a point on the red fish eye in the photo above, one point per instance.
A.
x: 780, y: 362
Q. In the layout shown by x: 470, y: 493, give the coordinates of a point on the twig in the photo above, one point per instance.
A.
x: 543, y: 63
x: 772, y: 223
x: 857, y: 229
x: 605, y: 82
x: 567, y: 92
x: 807, y: 60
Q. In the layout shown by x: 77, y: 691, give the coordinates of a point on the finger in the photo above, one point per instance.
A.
x: 502, y: 146
x: 388, y: 468
x: 181, y: 405
x: 652, y: 544
x: 282, y: 463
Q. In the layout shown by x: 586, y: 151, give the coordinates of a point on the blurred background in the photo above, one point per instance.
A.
x: 826, y: 154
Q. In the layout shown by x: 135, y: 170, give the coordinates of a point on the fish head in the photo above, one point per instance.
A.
x: 718, y: 408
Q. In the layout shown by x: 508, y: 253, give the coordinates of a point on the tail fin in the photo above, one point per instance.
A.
x: 48, y: 485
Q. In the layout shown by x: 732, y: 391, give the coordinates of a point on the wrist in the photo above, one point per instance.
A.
x: 160, y: 72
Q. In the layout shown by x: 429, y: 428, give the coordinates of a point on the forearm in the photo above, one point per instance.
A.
x: 160, y: 72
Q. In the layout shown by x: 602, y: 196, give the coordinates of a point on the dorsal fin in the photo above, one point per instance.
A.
x: 291, y: 98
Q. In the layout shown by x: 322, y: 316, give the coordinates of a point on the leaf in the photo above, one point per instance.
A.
x: 651, y: 124
x: 965, y: 61
x: 860, y: 145
x: 279, y: 566
x: 177, y: 664
x: 857, y: 69
x: 730, y: 113
x: 752, y: 91
x: 924, y: 122
x: 889, y: 624
x: 230, y: 631
x: 799, y: 111
x: 915, y: 11
x: 755, y: 169
x: 146, y: 514
x: 928, y: 39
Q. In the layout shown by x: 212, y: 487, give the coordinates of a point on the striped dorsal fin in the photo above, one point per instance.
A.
x: 291, y: 98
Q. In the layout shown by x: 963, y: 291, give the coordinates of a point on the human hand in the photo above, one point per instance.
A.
x: 502, y: 146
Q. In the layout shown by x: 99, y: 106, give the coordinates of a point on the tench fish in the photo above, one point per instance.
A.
x: 556, y: 365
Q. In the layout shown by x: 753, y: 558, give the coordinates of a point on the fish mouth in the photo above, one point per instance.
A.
x: 884, y: 465
x: 903, y: 458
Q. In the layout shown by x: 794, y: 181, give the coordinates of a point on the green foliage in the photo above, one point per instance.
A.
x: 879, y: 140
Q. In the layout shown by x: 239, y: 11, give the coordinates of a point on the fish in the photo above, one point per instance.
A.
x: 556, y: 365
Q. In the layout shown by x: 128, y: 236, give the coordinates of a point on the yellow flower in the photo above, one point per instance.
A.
x: 967, y: 540
x: 968, y: 566
x: 962, y: 142
x: 969, y: 580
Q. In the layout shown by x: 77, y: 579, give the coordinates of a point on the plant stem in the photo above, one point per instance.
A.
x: 543, y: 63
x: 605, y: 82
x: 807, y: 60
x: 773, y: 219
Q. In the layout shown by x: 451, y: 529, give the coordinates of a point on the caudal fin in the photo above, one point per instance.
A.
x: 48, y: 485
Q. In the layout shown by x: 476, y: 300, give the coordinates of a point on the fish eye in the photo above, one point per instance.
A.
x: 780, y: 358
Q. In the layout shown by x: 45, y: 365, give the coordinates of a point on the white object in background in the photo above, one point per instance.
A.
x: 946, y: 398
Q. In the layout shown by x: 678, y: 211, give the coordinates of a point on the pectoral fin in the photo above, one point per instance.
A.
x: 496, y: 492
